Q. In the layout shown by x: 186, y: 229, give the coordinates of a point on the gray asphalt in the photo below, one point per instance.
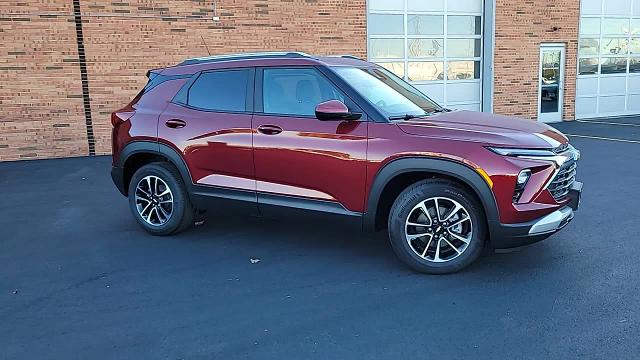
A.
x: 80, y: 280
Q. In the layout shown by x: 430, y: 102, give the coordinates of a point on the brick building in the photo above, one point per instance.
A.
x: 66, y: 64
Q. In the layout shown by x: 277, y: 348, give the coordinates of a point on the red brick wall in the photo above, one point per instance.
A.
x: 123, y: 40
x: 41, y: 113
x: 521, y: 26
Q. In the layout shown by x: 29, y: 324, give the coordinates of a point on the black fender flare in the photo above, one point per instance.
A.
x: 457, y: 170
x: 150, y: 147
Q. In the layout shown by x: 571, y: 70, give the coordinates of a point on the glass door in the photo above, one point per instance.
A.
x: 551, y: 85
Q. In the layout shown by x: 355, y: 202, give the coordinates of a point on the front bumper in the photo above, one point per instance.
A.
x: 515, y: 235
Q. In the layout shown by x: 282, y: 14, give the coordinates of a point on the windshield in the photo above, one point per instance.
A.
x: 387, y: 92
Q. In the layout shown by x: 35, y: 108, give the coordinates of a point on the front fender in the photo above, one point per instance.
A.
x: 453, y: 169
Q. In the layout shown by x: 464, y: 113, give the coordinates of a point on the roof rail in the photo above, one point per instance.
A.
x: 245, y: 56
x: 351, y: 57
x: 346, y: 56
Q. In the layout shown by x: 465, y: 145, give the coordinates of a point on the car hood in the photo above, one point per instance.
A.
x: 486, y: 128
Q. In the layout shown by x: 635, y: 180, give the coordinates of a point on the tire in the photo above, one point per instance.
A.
x: 407, y: 217
x: 181, y: 213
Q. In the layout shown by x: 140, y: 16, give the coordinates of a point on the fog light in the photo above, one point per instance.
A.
x: 523, y: 177
x: 521, y: 182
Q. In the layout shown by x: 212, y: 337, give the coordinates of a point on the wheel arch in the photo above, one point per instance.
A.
x: 400, y: 173
x: 139, y: 153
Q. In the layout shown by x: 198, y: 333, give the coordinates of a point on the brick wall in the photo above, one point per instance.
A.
x: 521, y: 26
x: 41, y: 112
x: 122, y: 41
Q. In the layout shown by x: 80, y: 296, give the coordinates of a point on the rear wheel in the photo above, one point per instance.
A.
x: 437, y: 227
x: 158, y: 199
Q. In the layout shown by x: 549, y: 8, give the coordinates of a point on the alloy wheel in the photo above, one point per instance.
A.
x: 154, y: 200
x: 439, y: 229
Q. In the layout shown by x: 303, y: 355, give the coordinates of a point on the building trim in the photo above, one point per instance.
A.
x: 82, y: 61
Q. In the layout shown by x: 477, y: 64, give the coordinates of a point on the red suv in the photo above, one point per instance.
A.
x: 273, y: 132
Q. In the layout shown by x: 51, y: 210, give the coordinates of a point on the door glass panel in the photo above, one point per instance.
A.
x: 296, y: 91
x: 464, y: 25
x: 588, y: 46
x: 615, y: 26
x: 614, y: 66
x: 634, y: 65
x: 588, y: 66
x: 385, y: 24
x: 425, y: 24
x: 550, y: 86
x: 463, y: 48
x: 614, y: 46
x: 426, y: 71
x: 395, y: 67
x: 634, y: 46
x: 387, y: 48
x: 224, y: 90
x: 425, y: 48
x: 463, y: 70
x: 589, y: 26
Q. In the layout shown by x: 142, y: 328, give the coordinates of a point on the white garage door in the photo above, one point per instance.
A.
x: 609, y: 59
x: 436, y: 45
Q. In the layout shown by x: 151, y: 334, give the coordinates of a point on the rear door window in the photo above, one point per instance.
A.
x: 224, y: 90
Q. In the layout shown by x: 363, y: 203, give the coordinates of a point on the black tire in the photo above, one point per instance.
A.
x: 411, y: 197
x: 183, y: 212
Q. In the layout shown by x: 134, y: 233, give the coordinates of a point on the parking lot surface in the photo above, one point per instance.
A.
x: 80, y: 280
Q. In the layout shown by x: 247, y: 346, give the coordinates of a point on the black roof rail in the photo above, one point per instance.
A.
x: 348, y: 56
x: 246, y: 56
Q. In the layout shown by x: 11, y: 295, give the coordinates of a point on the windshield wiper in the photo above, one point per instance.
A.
x: 407, y: 116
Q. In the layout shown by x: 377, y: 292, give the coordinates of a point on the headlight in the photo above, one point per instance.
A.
x: 522, y: 152
x: 535, y: 154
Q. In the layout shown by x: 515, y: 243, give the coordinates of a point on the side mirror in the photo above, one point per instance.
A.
x: 335, y: 110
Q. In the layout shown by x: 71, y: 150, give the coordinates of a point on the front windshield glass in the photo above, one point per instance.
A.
x: 390, y: 94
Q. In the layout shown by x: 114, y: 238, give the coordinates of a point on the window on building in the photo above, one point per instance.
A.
x: 220, y: 90
x: 296, y: 91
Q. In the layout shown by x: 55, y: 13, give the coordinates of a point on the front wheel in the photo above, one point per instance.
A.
x: 437, y: 227
x: 158, y: 199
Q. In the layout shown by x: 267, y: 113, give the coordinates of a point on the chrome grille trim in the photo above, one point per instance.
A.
x: 561, y: 183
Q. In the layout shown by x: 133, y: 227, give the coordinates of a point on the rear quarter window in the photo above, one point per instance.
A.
x: 223, y: 90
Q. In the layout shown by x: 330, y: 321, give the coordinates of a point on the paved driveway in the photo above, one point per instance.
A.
x: 79, y: 279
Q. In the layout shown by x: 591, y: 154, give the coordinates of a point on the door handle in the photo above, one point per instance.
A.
x: 269, y: 129
x: 175, y: 123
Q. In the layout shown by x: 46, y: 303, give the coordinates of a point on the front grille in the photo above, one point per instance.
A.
x: 561, y: 184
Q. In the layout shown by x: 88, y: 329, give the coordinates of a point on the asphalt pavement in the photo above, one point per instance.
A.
x: 80, y: 280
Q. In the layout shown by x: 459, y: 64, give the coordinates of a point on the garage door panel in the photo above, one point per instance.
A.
x: 634, y: 102
x: 586, y: 106
x: 612, y: 104
x: 587, y: 86
x: 617, y: 7
x: 634, y: 84
x: 463, y: 92
x: 464, y: 6
x: 591, y: 7
x: 467, y: 107
x: 397, y: 5
x: 607, y: 58
x: 422, y: 5
x: 434, y: 91
x: 613, y: 85
x: 413, y: 45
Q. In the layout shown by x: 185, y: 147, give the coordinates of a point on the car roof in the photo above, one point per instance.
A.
x: 194, y: 65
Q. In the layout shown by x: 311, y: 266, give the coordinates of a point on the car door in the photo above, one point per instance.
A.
x: 300, y: 161
x: 209, y: 124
